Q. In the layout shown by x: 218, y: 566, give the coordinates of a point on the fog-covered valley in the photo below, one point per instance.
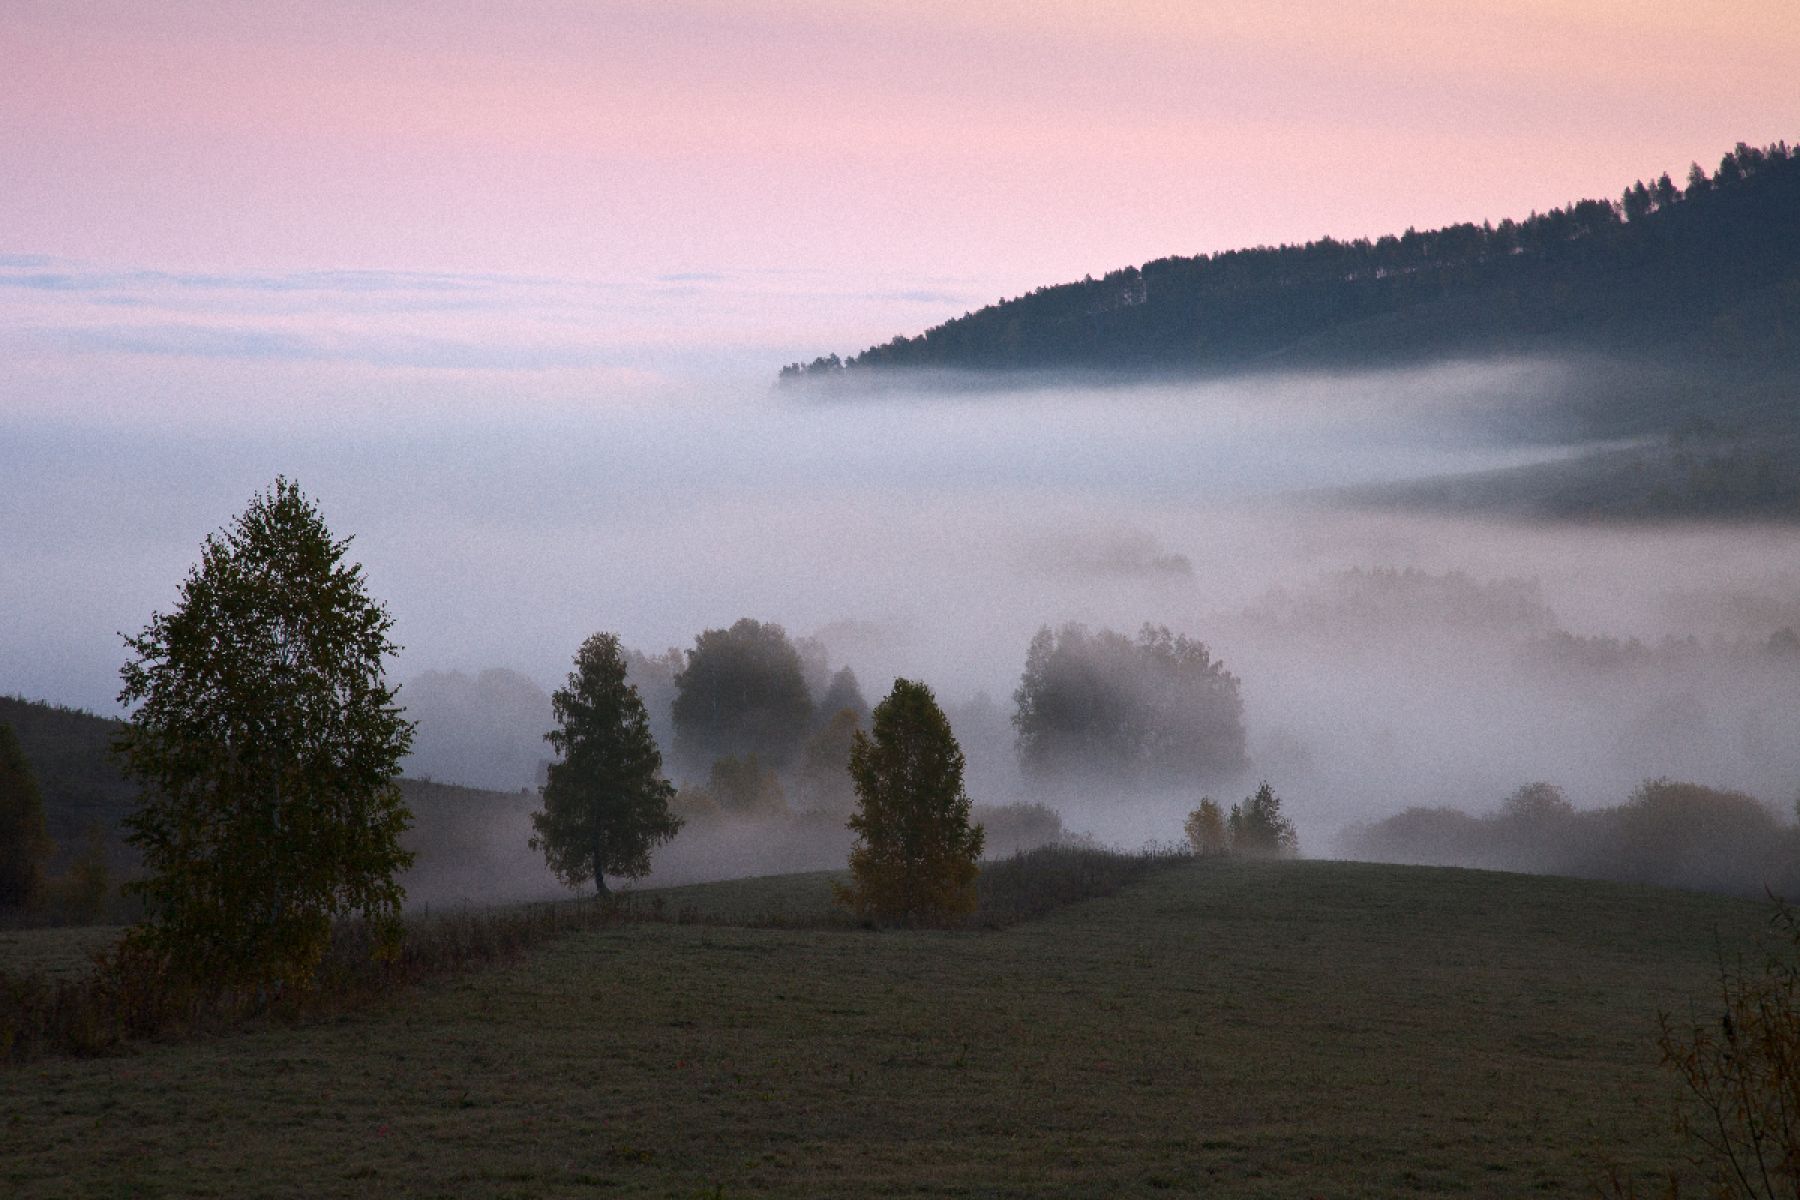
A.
x: 1387, y: 658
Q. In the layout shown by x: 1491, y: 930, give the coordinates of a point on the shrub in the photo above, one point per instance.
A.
x: 1740, y: 1067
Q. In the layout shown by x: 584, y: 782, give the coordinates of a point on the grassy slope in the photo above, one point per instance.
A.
x: 1279, y: 1030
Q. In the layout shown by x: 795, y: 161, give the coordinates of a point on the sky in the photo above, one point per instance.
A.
x: 797, y: 175
x: 504, y: 287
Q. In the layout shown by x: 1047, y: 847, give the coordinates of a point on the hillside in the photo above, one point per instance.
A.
x: 1708, y: 270
x: 454, y: 828
x: 70, y: 752
x: 1244, y: 1029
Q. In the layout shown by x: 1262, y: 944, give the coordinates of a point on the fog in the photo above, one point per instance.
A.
x: 1387, y: 659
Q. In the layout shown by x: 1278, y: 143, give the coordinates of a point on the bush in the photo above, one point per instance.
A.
x: 1034, y: 882
x: 1739, y: 1065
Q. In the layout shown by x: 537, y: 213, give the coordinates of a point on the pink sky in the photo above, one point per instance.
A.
x: 990, y: 147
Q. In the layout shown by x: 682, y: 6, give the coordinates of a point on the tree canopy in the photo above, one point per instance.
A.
x: 916, y: 852
x: 742, y: 692
x: 606, y: 803
x: 1158, y: 707
x: 267, y: 743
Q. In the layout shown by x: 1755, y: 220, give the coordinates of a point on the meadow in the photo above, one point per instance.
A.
x: 1220, y: 1026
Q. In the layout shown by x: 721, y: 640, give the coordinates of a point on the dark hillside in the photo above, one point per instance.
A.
x: 70, y: 753
x: 464, y: 837
x: 1711, y: 268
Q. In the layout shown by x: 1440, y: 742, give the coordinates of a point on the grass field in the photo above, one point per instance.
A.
x: 1285, y: 1029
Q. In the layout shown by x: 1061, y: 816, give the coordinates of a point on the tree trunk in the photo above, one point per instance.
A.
x: 599, y: 871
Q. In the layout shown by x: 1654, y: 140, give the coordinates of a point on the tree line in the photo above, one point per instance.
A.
x: 1688, y: 261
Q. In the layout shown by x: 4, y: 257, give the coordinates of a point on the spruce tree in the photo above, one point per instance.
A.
x: 606, y: 803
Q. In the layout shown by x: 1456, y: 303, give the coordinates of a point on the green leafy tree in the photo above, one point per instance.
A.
x: 268, y: 745
x: 24, y: 846
x: 742, y: 692
x: 1257, y: 826
x: 916, y: 851
x: 606, y: 803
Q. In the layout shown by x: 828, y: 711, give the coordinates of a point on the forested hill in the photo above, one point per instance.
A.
x: 1709, y: 267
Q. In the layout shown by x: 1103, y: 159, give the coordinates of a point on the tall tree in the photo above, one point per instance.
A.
x: 606, y: 803
x: 24, y: 846
x: 268, y: 745
x: 916, y: 851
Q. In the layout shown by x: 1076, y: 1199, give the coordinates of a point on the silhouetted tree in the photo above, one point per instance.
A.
x: 916, y: 850
x: 742, y: 692
x: 24, y: 846
x: 606, y: 804
x: 268, y: 745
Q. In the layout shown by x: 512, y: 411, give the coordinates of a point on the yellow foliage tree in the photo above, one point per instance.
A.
x: 1205, y: 828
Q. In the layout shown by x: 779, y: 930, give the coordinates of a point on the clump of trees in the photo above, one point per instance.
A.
x: 268, y: 745
x: 606, y: 803
x: 25, y: 847
x: 1155, y: 708
x: 1255, y: 827
x: 1667, y: 831
x: 915, y: 858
